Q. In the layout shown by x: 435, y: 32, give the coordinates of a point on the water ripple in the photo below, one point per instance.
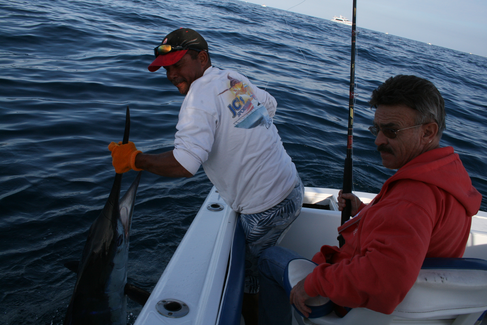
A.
x: 68, y: 75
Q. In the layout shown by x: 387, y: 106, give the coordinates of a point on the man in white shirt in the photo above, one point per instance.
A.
x: 225, y: 125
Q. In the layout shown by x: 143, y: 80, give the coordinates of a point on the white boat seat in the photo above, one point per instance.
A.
x: 297, y: 270
x: 447, y: 291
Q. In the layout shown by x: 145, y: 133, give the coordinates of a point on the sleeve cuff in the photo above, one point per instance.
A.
x: 308, y: 286
x: 187, y: 160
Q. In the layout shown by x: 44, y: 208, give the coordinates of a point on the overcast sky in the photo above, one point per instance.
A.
x: 456, y: 24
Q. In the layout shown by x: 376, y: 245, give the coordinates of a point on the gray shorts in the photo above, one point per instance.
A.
x: 263, y: 229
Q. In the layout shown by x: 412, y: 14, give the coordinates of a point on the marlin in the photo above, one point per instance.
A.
x: 99, y: 295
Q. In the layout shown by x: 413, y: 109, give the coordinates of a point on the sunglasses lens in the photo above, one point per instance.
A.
x: 374, y: 130
x: 389, y: 133
x: 162, y: 49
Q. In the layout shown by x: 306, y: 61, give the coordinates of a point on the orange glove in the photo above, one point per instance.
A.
x: 123, y: 156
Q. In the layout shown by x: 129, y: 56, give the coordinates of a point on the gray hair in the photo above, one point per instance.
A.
x: 416, y: 93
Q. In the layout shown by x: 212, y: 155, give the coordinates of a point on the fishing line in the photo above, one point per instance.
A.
x: 292, y: 36
x: 308, y: 70
x: 295, y: 5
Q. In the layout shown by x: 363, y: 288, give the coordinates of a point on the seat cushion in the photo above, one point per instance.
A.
x: 297, y: 270
x: 446, y: 287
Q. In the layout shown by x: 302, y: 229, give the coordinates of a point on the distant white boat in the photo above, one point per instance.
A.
x: 342, y: 20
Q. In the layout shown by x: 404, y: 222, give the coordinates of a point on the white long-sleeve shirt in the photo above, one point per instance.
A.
x: 225, y: 124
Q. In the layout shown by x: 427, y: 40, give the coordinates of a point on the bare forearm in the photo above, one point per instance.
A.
x: 163, y: 164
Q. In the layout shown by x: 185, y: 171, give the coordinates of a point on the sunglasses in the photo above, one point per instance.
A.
x: 389, y: 132
x: 164, y: 49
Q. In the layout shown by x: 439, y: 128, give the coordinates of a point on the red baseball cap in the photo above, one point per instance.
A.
x: 174, y: 47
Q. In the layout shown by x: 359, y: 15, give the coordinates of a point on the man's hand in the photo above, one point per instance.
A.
x: 298, y: 297
x: 123, y: 156
x: 354, y: 200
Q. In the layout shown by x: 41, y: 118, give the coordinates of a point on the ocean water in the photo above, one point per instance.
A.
x: 68, y: 70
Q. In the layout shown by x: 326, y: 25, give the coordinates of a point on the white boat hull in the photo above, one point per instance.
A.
x: 342, y: 20
x: 196, y: 273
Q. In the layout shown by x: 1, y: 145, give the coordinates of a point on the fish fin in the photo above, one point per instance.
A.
x: 136, y: 294
x: 72, y: 266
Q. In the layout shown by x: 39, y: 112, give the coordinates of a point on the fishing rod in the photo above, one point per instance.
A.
x: 347, y: 173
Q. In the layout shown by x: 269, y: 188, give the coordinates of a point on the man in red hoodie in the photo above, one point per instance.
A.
x: 423, y: 210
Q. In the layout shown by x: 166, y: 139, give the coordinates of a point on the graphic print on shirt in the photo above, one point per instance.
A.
x: 246, y: 110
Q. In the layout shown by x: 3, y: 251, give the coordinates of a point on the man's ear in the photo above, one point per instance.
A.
x: 430, y: 131
x: 203, y: 57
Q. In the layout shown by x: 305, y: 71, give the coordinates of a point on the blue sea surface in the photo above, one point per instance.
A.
x: 68, y: 70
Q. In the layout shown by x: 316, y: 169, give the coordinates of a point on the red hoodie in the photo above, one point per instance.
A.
x: 424, y: 210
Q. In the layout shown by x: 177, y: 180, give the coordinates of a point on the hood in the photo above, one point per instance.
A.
x: 431, y: 168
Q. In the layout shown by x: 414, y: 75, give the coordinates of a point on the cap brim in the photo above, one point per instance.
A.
x: 166, y: 60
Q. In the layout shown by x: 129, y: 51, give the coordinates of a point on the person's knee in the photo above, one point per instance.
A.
x: 269, y: 254
x: 274, y: 260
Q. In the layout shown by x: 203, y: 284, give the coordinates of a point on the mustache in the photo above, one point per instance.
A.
x: 384, y: 148
x: 177, y: 81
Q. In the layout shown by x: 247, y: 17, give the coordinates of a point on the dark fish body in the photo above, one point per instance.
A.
x: 99, y: 293
x: 99, y: 296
